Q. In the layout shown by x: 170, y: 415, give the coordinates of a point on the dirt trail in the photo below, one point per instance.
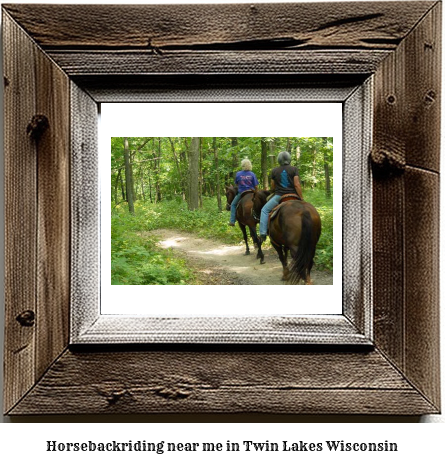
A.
x: 217, y: 263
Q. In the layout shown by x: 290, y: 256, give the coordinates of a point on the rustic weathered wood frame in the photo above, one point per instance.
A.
x: 89, y: 321
x: 80, y: 55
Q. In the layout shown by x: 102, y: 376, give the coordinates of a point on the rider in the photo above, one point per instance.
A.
x: 285, y: 180
x: 245, y: 180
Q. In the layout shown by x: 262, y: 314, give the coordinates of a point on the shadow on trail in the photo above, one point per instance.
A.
x: 230, y: 258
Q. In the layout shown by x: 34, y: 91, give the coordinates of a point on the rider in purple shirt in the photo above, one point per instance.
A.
x: 245, y: 180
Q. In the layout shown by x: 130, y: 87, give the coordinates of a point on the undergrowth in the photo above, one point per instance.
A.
x: 136, y: 259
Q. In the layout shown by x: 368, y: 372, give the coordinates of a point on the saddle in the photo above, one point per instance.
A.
x: 274, y: 212
x: 250, y: 191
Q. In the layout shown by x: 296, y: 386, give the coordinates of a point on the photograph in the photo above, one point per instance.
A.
x: 221, y: 210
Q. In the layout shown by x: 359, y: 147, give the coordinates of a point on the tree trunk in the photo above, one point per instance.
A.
x: 158, y: 173
x: 235, y: 158
x: 194, y: 174
x: 272, y: 150
x: 142, y: 182
x: 178, y: 167
x: 326, y: 170
x: 314, y: 165
x: 124, y: 198
x: 149, y: 186
x: 218, y: 187
x: 298, y: 156
x: 116, y: 186
x: 264, y: 164
x: 288, y: 145
x: 128, y: 177
x: 133, y: 184
x: 188, y: 160
x: 201, y: 180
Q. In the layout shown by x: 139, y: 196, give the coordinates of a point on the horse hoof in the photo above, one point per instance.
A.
x: 262, y: 262
x: 247, y: 252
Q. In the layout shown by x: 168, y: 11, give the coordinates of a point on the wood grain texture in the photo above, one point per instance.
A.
x: 399, y: 377
x: 357, y: 209
x: 79, y: 63
x: 406, y: 133
x: 219, y: 87
x: 223, y: 382
x: 423, y: 92
x: 53, y: 194
x: 85, y: 210
x: 388, y: 202
x: 20, y: 213
x: 388, y: 270
x: 113, y: 329
x: 159, y: 27
x: 422, y: 281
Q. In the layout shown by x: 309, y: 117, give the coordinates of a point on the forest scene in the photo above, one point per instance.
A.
x: 169, y: 214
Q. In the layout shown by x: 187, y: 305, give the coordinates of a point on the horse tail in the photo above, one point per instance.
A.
x: 303, y: 255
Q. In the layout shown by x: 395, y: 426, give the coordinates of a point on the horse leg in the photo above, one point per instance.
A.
x: 260, y: 254
x: 286, y: 251
x: 283, y: 260
x: 243, y: 229
x: 308, y: 278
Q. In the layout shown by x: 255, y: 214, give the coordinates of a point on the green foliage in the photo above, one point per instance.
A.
x: 208, y: 222
x: 325, y: 248
x: 136, y: 259
x: 160, y: 185
x: 160, y: 164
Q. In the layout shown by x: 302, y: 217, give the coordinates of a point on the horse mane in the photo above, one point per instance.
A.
x: 262, y: 195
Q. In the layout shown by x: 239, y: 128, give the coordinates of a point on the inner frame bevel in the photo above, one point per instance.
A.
x: 353, y: 327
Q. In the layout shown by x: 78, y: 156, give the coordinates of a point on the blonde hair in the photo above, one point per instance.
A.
x: 246, y: 165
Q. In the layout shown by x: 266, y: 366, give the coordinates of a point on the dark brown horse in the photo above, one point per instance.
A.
x: 296, y: 227
x: 245, y: 218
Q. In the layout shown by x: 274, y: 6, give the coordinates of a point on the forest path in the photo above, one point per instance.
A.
x: 217, y: 263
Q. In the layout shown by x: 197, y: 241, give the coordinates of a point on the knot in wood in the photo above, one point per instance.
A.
x: 114, y: 397
x: 430, y: 97
x: 26, y: 318
x: 37, y: 126
x: 173, y: 393
x: 386, y: 162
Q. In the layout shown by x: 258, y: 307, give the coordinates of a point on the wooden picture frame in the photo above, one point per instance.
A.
x: 60, y: 67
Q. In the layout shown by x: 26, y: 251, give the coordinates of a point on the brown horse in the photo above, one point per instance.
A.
x: 296, y: 227
x: 245, y: 218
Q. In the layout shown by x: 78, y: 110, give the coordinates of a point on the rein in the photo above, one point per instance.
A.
x: 254, y: 212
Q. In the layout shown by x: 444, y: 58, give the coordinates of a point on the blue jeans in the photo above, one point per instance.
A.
x: 273, y: 202
x: 235, y: 202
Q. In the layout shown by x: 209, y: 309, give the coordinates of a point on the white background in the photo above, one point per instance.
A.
x: 25, y: 443
x: 218, y: 120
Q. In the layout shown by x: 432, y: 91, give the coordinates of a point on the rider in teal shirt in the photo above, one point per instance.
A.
x: 285, y: 180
